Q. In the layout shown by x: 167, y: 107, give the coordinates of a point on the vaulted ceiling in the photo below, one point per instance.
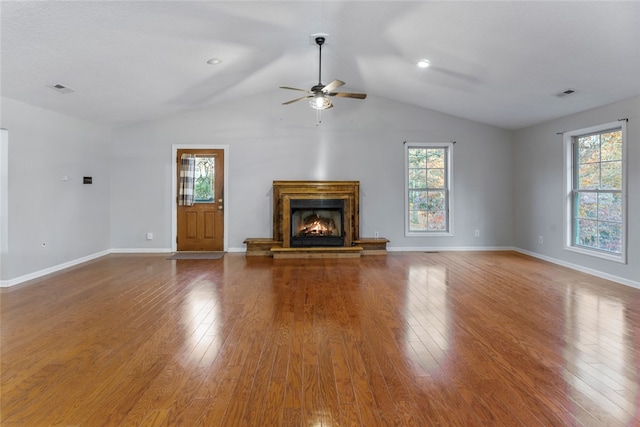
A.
x: 500, y: 63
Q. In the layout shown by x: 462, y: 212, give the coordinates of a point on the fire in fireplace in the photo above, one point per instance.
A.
x: 317, y: 222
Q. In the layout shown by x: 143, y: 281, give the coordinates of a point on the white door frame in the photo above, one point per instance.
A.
x: 174, y: 190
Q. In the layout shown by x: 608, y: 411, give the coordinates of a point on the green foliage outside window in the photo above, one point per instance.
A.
x: 204, y: 180
x: 598, y: 191
x: 427, y: 189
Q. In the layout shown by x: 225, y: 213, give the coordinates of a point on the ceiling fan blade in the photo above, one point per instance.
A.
x: 296, y: 100
x: 295, y: 88
x: 333, y: 85
x: 348, y: 95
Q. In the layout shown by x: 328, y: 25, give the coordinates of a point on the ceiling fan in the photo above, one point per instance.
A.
x: 319, y: 94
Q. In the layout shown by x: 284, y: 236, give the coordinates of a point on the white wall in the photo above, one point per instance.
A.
x: 71, y: 219
x: 357, y: 140
x: 507, y: 185
x: 4, y: 196
x: 539, y: 196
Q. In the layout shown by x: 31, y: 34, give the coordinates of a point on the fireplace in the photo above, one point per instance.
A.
x: 316, y: 219
x: 329, y: 210
x: 316, y: 222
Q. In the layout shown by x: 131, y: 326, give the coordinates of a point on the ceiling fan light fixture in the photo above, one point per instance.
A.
x: 320, y: 102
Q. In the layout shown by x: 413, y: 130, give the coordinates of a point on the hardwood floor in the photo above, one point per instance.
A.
x: 450, y: 339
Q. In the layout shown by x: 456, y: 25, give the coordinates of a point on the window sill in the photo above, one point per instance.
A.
x: 427, y: 234
x: 622, y: 259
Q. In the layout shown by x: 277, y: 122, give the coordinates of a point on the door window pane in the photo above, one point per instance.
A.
x: 205, y: 180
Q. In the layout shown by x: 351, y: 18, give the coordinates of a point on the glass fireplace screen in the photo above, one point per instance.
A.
x: 317, y: 222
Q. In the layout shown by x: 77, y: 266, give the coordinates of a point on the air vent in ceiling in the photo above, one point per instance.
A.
x: 565, y: 93
x: 62, y: 88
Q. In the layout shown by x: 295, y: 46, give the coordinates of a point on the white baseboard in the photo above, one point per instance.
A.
x: 141, y: 251
x: 449, y: 249
x: 237, y: 250
x: 582, y: 269
x: 55, y: 268
x: 35, y: 275
x: 572, y: 266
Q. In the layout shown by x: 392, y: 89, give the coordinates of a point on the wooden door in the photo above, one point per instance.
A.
x: 201, y: 226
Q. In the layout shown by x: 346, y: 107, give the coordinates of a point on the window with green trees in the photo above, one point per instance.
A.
x: 597, y: 219
x: 204, y: 186
x: 427, y: 192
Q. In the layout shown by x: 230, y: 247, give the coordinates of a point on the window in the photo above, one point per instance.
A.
x: 205, y: 179
x: 428, y: 189
x: 596, y: 219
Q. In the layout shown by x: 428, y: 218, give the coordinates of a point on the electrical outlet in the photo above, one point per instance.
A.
x: 149, y: 236
x: 376, y: 234
x: 477, y: 234
x: 540, y: 240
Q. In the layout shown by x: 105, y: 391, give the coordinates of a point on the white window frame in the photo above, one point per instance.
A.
x: 569, y: 138
x: 449, y: 188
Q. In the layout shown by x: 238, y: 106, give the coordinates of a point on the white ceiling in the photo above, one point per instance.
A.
x: 495, y: 62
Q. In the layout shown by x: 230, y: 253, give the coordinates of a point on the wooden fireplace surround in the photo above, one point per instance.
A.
x: 280, y: 244
x: 285, y: 191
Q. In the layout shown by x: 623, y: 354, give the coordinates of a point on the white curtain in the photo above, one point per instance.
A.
x: 187, y: 179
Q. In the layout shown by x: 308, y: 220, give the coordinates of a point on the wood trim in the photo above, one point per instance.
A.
x: 258, y: 246
x: 280, y: 245
x: 372, y: 246
x: 317, y: 252
x: 284, y: 191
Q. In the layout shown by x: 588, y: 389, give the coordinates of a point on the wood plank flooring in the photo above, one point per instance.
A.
x: 406, y: 339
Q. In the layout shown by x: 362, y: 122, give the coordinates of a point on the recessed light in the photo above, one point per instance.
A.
x: 214, y: 61
x: 424, y: 63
